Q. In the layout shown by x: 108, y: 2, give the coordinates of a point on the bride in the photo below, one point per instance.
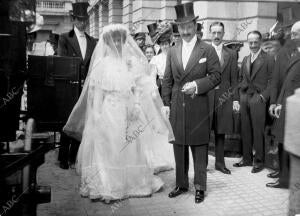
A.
x: 117, y: 118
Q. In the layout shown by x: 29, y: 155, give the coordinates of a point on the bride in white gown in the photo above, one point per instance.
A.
x: 117, y: 118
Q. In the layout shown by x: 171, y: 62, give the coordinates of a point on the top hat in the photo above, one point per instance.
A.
x: 140, y: 35
x: 80, y: 10
x: 199, y: 27
x: 152, y: 29
x: 175, y: 29
x: 185, y: 13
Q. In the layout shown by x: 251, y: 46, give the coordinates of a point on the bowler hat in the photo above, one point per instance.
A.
x: 80, y: 10
x: 185, y: 13
x: 152, y: 29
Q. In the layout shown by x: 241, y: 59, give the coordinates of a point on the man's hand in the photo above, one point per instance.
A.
x: 236, y: 106
x: 277, y: 110
x: 189, y: 88
x: 165, y: 110
x: 272, y: 110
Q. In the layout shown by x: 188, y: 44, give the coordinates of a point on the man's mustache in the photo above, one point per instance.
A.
x: 217, y: 39
x: 186, y: 35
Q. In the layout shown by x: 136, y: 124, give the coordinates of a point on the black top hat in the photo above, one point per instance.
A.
x: 140, y: 35
x: 199, y: 27
x: 185, y: 13
x: 152, y: 29
x: 80, y: 10
x: 175, y: 29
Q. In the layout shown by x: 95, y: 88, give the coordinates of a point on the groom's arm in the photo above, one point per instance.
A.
x: 213, y: 71
x: 168, y: 82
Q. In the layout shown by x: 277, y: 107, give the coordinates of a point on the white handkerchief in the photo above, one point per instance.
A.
x: 202, y: 60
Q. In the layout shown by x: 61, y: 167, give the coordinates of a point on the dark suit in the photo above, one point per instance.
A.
x: 255, y: 81
x: 68, y: 46
x: 278, y: 77
x: 189, y: 117
x: 221, y: 99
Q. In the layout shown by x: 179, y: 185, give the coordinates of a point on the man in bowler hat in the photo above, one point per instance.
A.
x: 76, y: 43
x: 192, y: 70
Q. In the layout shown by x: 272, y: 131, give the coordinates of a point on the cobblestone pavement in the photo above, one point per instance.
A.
x: 241, y: 193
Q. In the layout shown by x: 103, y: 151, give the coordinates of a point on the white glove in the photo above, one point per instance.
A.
x: 165, y: 110
x: 236, y: 106
x: 272, y: 110
x: 277, y: 110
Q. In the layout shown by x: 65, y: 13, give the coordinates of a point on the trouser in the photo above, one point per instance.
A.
x: 284, y: 168
x: 219, y: 150
x: 200, y: 158
x: 253, y: 115
x: 68, y: 149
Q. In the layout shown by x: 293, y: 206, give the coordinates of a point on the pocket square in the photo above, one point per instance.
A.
x: 202, y: 60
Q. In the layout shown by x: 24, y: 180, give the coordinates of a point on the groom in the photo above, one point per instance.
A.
x: 192, y: 69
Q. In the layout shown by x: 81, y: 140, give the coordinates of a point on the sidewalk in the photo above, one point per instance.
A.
x: 239, y: 194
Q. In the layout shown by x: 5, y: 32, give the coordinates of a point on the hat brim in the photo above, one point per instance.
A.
x: 163, y: 36
x: 186, y: 20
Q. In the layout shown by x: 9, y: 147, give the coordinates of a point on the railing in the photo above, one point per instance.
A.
x: 50, y: 4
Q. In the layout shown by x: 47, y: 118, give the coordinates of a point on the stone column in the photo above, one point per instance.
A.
x: 167, y: 9
x: 127, y: 13
x: 103, y: 15
x: 145, y: 12
x: 115, y: 12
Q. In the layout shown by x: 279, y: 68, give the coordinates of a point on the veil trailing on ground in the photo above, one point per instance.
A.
x: 117, y: 58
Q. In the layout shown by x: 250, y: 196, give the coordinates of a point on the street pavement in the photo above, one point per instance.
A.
x: 239, y: 194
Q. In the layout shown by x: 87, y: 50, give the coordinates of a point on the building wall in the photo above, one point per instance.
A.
x: 239, y: 17
x: 56, y: 15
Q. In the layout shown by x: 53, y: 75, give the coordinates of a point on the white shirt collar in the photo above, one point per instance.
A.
x: 254, y: 55
x: 219, y: 47
x: 78, y: 33
x: 191, y: 43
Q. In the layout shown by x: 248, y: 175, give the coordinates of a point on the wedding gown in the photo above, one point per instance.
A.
x: 118, y: 121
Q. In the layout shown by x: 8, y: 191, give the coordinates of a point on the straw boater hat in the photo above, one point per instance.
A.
x: 185, y: 13
x: 164, y: 32
x: 80, y: 10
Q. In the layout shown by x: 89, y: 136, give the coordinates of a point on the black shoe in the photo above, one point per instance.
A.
x: 64, y: 165
x: 177, y: 191
x: 274, y: 174
x: 242, y: 163
x: 257, y: 168
x: 277, y: 184
x: 199, y: 196
x: 223, y: 170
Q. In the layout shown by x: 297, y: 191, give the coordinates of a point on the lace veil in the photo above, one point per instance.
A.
x: 117, y: 65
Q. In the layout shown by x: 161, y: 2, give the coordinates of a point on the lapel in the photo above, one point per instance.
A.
x: 197, y: 52
x: 257, y: 64
x: 248, y: 62
x: 225, y: 56
x: 74, y: 43
x: 292, y: 61
x: 89, y: 48
x: 178, y: 52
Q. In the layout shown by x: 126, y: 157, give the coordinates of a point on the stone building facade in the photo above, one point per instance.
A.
x: 239, y: 17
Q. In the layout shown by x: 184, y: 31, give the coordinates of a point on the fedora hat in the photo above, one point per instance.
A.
x: 152, y: 28
x: 185, y: 13
x: 80, y: 10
